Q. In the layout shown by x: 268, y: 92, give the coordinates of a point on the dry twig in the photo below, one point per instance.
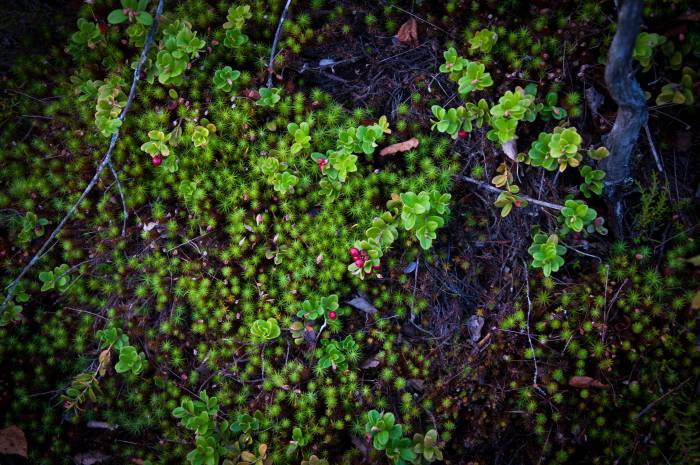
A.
x: 106, y: 160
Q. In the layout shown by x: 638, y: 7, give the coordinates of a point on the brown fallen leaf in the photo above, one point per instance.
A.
x: 404, y: 146
x: 13, y: 441
x: 408, y: 33
x: 582, y: 382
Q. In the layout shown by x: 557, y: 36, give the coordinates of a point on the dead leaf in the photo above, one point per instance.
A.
x: 408, y: 33
x: 510, y: 149
x: 13, y: 441
x: 582, y: 382
x: 695, y: 303
x: 361, y: 303
x: 90, y: 458
x: 474, y: 324
x: 417, y: 384
x: 149, y: 226
x: 404, y: 146
x: 370, y: 363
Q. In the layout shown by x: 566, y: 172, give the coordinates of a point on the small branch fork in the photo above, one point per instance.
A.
x: 121, y: 194
x: 275, y: 42
x: 106, y: 161
x: 496, y: 190
x: 527, y: 327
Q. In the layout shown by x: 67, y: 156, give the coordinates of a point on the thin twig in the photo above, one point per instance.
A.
x: 103, y: 164
x: 121, y: 194
x: 652, y: 404
x: 527, y: 327
x: 323, y: 326
x: 422, y: 20
x: 415, y: 285
x: 496, y: 190
x: 657, y: 158
x: 274, y: 44
x: 583, y: 253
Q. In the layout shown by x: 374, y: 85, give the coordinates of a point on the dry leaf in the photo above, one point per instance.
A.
x: 370, y: 363
x: 510, y: 149
x: 474, y: 324
x: 149, y: 226
x: 361, y: 303
x: 404, y: 146
x: 90, y: 458
x: 582, y: 382
x: 13, y: 441
x: 408, y: 33
x: 695, y: 303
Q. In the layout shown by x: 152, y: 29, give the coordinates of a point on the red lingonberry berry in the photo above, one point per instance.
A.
x: 518, y: 203
x: 157, y: 160
x: 332, y: 315
x: 462, y: 134
x: 354, y: 252
x: 359, y: 262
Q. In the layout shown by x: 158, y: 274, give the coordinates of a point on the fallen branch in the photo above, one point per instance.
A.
x: 106, y: 160
x: 275, y: 42
x: 496, y: 190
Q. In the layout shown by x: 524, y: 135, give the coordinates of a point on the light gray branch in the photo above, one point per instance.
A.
x: 106, y: 160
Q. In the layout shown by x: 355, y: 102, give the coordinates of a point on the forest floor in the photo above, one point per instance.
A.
x: 396, y: 252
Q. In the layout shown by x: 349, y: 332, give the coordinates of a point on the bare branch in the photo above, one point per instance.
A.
x: 275, y: 42
x: 496, y: 190
x: 106, y: 160
x: 121, y: 194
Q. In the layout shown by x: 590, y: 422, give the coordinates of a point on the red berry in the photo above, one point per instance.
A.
x: 332, y: 315
x: 359, y: 262
x: 462, y: 134
x: 377, y: 267
x: 518, y: 203
x: 354, y: 252
x: 157, y: 160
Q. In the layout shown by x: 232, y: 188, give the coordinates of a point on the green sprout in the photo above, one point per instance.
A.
x: 547, y: 253
x: 264, y: 330
x: 474, y: 78
x: 225, y: 77
x: 131, y: 10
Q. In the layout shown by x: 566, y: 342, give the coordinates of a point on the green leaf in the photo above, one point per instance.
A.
x: 116, y: 17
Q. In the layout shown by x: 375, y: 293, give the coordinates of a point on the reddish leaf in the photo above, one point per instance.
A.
x: 13, y: 441
x: 582, y: 382
x: 408, y: 33
x: 404, y: 146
